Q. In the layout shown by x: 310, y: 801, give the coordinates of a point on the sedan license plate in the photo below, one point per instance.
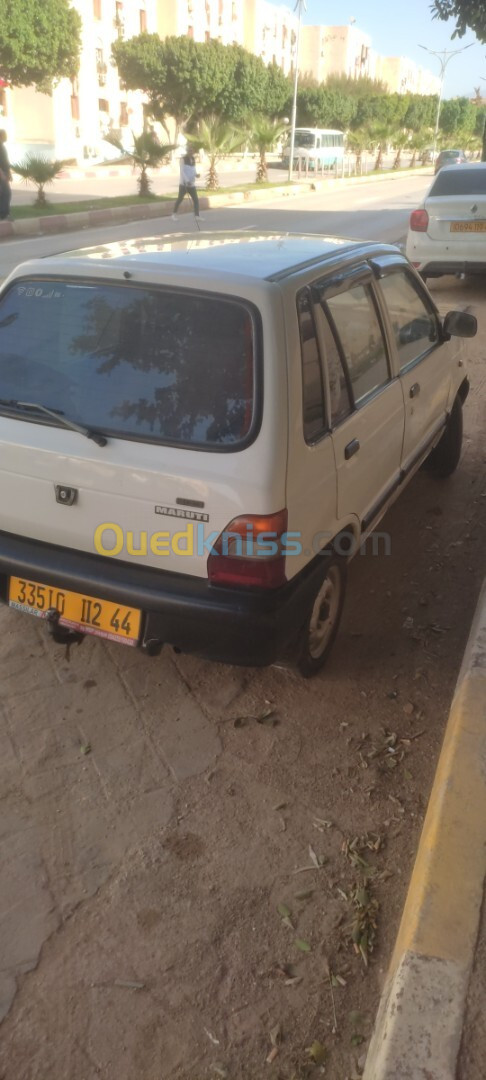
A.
x: 468, y: 226
x: 86, y: 614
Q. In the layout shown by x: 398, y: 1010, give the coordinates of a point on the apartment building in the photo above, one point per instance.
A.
x: 72, y: 121
x: 336, y: 50
x: 404, y: 76
x: 260, y: 27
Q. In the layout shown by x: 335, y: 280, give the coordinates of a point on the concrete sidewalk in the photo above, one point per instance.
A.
x: 420, y: 1019
x: 50, y: 224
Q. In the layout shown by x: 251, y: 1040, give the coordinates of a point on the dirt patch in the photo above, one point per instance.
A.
x: 220, y: 898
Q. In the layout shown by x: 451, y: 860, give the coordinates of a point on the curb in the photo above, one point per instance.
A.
x: 52, y: 224
x: 418, y: 1028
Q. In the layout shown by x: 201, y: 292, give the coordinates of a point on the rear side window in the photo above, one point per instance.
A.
x: 462, y: 181
x: 143, y: 363
x: 354, y: 315
x: 414, y: 325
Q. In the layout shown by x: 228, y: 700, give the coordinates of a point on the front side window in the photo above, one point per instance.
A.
x: 154, y: 364
x: 355, y: 318
x: 414, y: 325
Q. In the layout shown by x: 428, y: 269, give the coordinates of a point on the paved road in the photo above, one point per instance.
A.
x: 375, y: 210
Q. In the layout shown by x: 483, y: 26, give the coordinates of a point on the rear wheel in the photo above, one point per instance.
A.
x: 445, y: 457
x: 318, y: 634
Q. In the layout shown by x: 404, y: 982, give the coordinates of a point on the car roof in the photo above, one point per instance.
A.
x: 240, y: 255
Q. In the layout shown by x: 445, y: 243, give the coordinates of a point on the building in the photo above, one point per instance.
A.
x: 346, y: 50
x: 202, y: 20
x: 403, y: 76
x: 72, y: 121
x: 336, y: 50
x: 260, y: 27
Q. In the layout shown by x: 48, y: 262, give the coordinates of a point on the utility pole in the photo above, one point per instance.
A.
x: 300, y: 6
x: 444, y: 59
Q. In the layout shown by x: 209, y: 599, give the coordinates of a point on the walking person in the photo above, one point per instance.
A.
x: 5, y: 179
x: 187, y: 185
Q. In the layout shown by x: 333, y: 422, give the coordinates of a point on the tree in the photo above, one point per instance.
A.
x: 188, y: 80
x: 38, y: 170
x: 358, y: 142
x: 420, y: 141
x: 217, y: 138
x: 264, y: 133
x: 458, y: 114
x: 469, y: 15
x: 146, y: 154
x: 320, y: 107
x: 379, y: 135
x: 40, y: 42
x: 401, y: 142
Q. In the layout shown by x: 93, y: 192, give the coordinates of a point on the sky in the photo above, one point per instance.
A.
x: 396, y: 29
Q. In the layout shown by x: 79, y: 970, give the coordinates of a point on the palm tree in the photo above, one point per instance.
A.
x: 146, y: 154
x: 357, y: 142
x: 419, y: 143
x: 39, y: 170
x: 379, y: 135
x: 217, y: 138
x: 264, y: 133
x: 401, y: 140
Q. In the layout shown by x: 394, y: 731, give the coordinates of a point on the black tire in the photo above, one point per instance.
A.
x: 445, y: 457
x: 319, y: 632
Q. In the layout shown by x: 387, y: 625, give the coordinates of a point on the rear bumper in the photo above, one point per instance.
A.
x: 246, y: 627
x: 437, y: 267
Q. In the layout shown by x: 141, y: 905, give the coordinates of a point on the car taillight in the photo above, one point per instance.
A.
x: 419, y: 221
x: 249, y: 552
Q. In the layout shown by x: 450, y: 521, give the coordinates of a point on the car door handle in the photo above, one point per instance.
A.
x: 351, y: 449
x: 414, y: 390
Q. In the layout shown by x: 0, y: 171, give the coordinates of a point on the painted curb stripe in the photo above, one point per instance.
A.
x: 418, y: 1028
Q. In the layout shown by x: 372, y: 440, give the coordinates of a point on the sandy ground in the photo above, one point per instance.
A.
x: 182, y: 877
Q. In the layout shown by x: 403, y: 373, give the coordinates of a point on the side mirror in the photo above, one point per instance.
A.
x: 460, y: 324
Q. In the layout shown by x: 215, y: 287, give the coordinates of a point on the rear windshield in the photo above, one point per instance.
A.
x: 463, y: 181
x: 138, y: 362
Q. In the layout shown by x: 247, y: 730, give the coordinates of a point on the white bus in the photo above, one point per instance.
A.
x: 321, y: 146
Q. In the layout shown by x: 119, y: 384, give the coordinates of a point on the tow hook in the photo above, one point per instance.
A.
x: 61, y: 634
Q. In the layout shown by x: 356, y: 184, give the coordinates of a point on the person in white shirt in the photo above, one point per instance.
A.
x: 187, y: 185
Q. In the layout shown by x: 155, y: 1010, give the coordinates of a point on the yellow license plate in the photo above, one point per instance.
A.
x: 468, y: 226
x: 86, y: 614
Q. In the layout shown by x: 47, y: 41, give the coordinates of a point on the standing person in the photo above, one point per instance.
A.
x: 187, y: 185
x: 5, y: 178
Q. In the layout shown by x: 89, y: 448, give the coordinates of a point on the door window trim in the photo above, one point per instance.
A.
x: 404, y: 269
x: 307, y: 289
x: 367, y: 281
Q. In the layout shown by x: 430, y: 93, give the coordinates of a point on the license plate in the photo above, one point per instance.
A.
x: 86, y: 614
x: 468, y: 226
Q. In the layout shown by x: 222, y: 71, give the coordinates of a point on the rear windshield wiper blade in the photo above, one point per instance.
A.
x: 58, y: 415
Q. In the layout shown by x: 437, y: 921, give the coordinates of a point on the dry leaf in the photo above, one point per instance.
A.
x: 317, y: 1052
x: 302, y: 945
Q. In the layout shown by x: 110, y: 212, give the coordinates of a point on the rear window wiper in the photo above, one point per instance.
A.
x: 58, y: 415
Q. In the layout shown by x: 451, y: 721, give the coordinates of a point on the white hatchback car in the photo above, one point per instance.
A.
x: 197, y: 433
x: 447, y: 234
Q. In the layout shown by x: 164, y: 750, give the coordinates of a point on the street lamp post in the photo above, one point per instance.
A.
x: 300, y: 6
x: 444, y: 59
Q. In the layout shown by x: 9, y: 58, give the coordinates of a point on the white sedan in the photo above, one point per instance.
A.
x: 447, y: 234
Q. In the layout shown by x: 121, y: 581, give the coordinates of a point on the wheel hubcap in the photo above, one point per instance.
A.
x: 324, y: 613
